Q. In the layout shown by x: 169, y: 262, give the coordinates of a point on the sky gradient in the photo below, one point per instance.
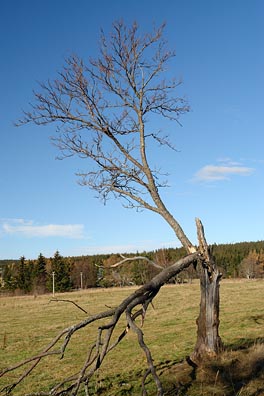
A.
x: 217, y: 172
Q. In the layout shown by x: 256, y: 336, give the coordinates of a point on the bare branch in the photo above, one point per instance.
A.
x: 100, y: 110
x: 103, y: 344
x: 126, y: 259
x: 70, y: 301
x: 143, y: 345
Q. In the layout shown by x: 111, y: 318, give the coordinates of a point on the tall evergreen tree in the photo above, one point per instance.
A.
x: 21, y: 273
x: 40, y: 273
x: 25, y: 275
x: 62, y: 270
x: 9, y: 278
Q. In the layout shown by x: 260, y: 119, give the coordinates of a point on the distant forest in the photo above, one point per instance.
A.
x: 244, y: 259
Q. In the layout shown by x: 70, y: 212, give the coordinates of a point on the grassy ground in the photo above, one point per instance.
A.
x: 27, y: 324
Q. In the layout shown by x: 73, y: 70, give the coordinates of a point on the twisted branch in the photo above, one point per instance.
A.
x: 104, y: 342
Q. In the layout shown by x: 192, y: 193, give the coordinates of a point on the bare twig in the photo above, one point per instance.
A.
x: 126, y: 259
x: 70, y: 301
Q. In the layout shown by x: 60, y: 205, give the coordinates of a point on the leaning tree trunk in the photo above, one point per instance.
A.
x: 208, y: 340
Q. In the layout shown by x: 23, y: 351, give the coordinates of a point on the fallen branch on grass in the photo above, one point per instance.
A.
x: 135, y: 305
x: 69, y: 301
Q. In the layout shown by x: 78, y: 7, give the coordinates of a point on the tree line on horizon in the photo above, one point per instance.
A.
x: 244, y: 259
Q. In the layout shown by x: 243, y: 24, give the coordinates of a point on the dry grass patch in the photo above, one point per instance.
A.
x: 28, y: 324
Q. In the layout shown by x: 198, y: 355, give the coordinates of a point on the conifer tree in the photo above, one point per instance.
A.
x: 40, y: 273
x: 25, y: 275
x: 9, y: 278
x: 62, y: 272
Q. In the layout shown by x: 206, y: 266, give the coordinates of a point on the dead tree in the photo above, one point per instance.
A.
x: 103, y: 110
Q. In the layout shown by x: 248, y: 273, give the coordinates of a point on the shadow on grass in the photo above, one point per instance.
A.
x: 241, y: 368
x: 237, y: 371
x: 244, y: 343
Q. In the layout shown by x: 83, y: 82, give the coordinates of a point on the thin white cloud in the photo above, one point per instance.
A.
x: 211, y: 173
x: 21, y: 227
x: 226, y: 161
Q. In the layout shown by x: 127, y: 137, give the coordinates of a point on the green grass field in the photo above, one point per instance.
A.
x: 28, y: 324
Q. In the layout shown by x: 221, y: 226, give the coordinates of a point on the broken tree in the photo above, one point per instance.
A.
x: 103, y: 112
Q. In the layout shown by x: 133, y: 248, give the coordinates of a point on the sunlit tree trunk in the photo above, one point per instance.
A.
x: 208, y: 341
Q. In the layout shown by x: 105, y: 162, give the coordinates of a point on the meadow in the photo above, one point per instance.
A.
x: 29, y: 323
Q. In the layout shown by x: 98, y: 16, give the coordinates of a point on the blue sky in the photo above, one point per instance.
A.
x: 217, y: 174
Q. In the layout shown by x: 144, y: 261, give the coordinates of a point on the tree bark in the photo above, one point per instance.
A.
x: 208, y: 342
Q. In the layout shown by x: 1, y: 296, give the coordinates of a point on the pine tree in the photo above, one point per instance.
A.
x: 9, y: 278
x: 25, y: 275
x: 62, y: 270
x: 40, y: 273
